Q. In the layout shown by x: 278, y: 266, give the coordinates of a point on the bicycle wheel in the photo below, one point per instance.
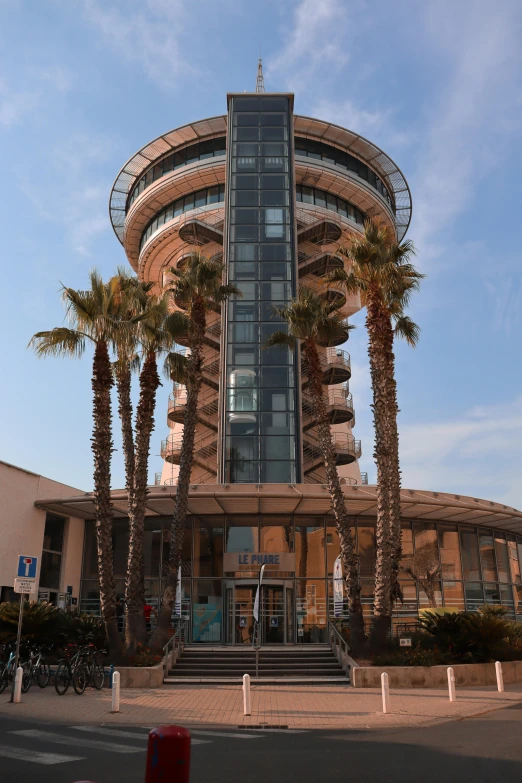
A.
x: 62, y: 678
x: 80, y: 678
x: 97, y: 675
x: 43, y: 674
x: 27, y: 676
x: 3, y: 678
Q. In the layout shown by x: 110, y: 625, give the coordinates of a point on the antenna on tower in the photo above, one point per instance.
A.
x: 260, y: 83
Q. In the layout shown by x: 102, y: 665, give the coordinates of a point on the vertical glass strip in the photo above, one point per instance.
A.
x: 260, y: 417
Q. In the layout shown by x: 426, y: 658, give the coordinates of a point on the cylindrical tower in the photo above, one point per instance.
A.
x: 272, y: 195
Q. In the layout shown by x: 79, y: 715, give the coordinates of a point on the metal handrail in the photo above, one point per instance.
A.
x: 176, y: 641
x: 340, y: 648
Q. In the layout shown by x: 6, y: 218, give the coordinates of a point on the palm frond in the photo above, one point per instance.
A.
x: 175, y: 367
x: 407, y: 329
x: 59, y: 342
x: 280, y: 338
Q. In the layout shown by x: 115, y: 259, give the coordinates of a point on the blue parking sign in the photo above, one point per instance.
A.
x: 27, y: 566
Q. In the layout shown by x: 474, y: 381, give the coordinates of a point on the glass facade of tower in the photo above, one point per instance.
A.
x: 260, y: 443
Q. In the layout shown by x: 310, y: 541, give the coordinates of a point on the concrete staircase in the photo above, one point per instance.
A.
x: 283, y: 664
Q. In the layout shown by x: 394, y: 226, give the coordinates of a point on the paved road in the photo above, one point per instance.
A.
x: 487, y: 749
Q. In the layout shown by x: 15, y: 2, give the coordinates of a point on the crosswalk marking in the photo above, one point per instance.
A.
x: 77, y: 742
x: 223, y: 734
x: 125, y: 734
x: 23, y: 754
x: 276, y: 731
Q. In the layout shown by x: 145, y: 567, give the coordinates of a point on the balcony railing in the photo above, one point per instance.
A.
x: 346, y: 449
x: 339, y: 403
x: 335, y: 364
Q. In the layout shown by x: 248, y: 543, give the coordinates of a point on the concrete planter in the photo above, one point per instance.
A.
x: 435, y: 676
x: 140, y: 676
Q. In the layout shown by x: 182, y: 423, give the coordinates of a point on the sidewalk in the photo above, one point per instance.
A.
x: 304, y: 707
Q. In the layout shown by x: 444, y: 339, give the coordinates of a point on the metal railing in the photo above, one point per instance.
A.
x: 343, y: 444
x: 317, y: 478
x: 333, y: 357
x: 174, y: 647
x: 340, y: 648
x: 334, y: 398
x: 321, y: 287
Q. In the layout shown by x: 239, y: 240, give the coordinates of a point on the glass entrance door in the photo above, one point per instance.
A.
x: 276, y: 612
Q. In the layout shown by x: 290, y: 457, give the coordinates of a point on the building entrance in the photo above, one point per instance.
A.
x: 276, y: 612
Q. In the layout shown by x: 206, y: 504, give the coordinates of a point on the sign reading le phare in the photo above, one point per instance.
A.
x: 250, y: 561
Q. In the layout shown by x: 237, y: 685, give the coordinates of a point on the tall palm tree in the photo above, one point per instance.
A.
x: 198, y: 286
x: 157, y: 333
x: 94, y: 317
x: 135, y: 295
x: 383, y: 274
x: 311, y: 321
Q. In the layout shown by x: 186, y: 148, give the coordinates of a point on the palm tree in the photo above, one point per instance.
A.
x: 157, y: 333
x: 311, y: 322
x: 94, y: 316
x: 135, y: 295
x: 382, y: 273
x: 198, y: 286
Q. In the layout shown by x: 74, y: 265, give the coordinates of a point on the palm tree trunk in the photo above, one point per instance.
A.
x: 102, y: 447
x: 170, y: 571
x: 135, y: 585
x: 123, y: 385
x: 380, y: 336
x: 348, y: 555
x: 395, y: 482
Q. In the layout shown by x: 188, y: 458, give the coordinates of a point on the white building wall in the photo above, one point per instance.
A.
x: 22, y: 525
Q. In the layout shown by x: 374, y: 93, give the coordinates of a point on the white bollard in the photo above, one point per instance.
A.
x: 451, y: 684
x: 500, y: 678
x: 18, y: 685
x: 115, y: 692
x: 385, y: 693
x: 247, y: 709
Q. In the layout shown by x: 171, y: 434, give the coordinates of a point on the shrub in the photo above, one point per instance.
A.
x: 144, y: 657
x: 43, y: 623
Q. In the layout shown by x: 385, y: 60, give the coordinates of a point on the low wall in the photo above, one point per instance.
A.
x: 435, y: 676
x: 140, y: 676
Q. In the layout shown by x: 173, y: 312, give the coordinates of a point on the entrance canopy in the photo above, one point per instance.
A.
x: 305, y: 499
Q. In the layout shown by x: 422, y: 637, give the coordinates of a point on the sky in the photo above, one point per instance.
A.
x: 436, y: 83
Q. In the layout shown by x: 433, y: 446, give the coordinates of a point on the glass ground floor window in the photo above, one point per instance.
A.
x: 222, y: 555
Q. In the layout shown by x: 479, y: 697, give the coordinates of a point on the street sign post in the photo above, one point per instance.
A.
x: 24, y: 583
x: 27, y: 566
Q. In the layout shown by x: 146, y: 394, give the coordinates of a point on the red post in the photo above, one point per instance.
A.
x: 168, y: 755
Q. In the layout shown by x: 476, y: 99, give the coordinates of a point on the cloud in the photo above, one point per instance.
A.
x: 315, y: 45
x: 376, y: 125
x: 477, y: 113
x: 59, y: 77
x: 146, y: 32
x: 16, y: 104
x: 478, y: 453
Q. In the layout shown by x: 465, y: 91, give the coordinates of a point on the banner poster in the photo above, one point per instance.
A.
x: 256, y: 602
x: 338, y: 587
x: 177, y: 605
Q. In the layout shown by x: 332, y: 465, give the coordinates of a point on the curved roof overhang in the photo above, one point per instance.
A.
x: 340, y: 137
x: 157, y: 148
x: 305, y: 499
x: 381, y: 163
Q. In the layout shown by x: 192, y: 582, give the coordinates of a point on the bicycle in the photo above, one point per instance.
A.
x: 7, y: 673
x: 40, y: 670
x: 80, y: 670
x: 91, y: 667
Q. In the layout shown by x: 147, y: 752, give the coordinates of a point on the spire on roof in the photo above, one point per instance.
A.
x: 260, y: 83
